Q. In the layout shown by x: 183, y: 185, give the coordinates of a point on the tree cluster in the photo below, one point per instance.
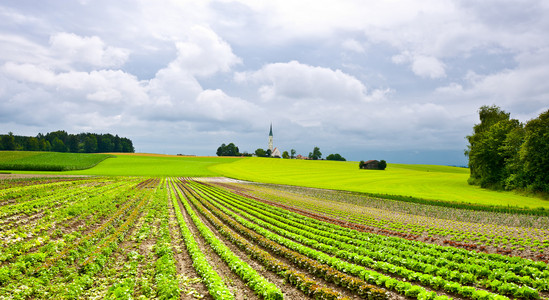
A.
x: 61, y: 141
x: 506, y: 154
x: 336, y: 156
x: 316, y: 154
x: 382, y: 165
x: 228, y: 150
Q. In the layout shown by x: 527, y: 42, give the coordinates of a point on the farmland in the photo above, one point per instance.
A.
x: 48, y: 161
x: 179, y: 237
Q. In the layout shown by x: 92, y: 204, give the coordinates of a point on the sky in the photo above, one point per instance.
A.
x: 394, y: 80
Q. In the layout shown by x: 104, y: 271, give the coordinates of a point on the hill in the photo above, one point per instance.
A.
x: 431, y: 182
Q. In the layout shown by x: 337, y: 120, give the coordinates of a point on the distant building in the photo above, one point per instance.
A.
x: 275, y: 152
x: 271, y: 138
x: 371, y: 164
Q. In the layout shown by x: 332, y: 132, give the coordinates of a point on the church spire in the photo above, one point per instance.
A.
x: 271, y: 138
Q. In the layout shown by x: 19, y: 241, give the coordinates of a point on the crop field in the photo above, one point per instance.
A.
x: 184, y: 238
x: 48, y: 161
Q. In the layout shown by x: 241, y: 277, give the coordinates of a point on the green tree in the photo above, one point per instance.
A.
x: 292, y: 152
x: 316, y: 154
x: 486, y: 156
x: 535, y: 153
x: 336, y: 156
x: 268, y: 153
x: 33, y: 144
x: 382, y: 165
x: 285, y: 155
x: 8, y: 142
x: 260, y: 152
x: 228, y: 150
x: 44, y: 145
x: 90, y: 144
x: 361, y: 164
x: 58, y: 145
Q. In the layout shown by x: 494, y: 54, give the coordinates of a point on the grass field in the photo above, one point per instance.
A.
x: 156, y: 165
x: 421, y: 181
x: 48, y: 161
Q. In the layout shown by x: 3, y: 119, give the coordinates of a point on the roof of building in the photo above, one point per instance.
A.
x: 271, y: 131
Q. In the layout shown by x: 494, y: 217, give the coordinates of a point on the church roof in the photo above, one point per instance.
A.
x: 271, y: 131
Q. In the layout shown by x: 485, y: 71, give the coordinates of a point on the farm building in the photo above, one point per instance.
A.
x: 371, y: 164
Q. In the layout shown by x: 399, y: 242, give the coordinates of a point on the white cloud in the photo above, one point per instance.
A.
x: 353, y: 45
x: 422, y: 65
x: 293, y: 80
x: 88, y: 50
x: 204, y: 53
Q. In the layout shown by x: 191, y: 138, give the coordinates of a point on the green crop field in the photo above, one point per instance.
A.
x: 48, y: 161
x: 420, y: 181
x: 157, y: 165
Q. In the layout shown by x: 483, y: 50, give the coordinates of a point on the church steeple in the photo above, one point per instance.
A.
x: 271, y: 138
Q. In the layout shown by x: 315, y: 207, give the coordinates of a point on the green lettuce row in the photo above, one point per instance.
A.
x: 39, y: 228
x: 298, y: 279
x: 464, y: 258
x: 95, y: 234
x: 167, y: 284
x: 37, y: 263
x: 332, y: 269
x: 255, y: 281
x: 216, y: 287
x: 309, y: 236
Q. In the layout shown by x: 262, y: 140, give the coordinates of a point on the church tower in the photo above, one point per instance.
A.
x: 271, y: 138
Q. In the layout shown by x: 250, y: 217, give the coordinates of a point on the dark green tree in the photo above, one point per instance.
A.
x: 33, y: 144
x: 382, y: 165
x: 316, y: 154
x: 228, y: 150
x: 292, y: 153
x: 8, y: 142
x: 260, y: 152
x: 268, y: 153
x: 90, y: 144
x: 486, y: 156
x: 535, y: 153
x: 336, y: 156
x: 285, y: 155
x: 58, y: 146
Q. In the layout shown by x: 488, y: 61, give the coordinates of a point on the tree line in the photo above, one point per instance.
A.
x: 232, y: 150
x: 507, y: 154
x: 61, y: 141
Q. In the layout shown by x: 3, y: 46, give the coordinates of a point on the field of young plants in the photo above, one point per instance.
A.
x: 184, y: 238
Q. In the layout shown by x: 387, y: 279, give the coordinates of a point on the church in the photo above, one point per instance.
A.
x: 274, y: 152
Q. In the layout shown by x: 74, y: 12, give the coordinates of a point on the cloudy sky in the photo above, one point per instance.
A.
x: 394, y: 80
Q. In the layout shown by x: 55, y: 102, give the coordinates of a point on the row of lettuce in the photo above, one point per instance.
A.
x: 81, y: 239
x: 407, y: 267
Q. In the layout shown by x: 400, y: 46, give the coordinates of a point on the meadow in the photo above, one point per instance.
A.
x: 406, y: 182
x: 430, y: 182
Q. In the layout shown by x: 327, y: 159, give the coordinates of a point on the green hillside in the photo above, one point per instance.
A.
x: 48, y: 161
x: 420, y: 181
x: 157, y: 165
x: 441, y: 183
